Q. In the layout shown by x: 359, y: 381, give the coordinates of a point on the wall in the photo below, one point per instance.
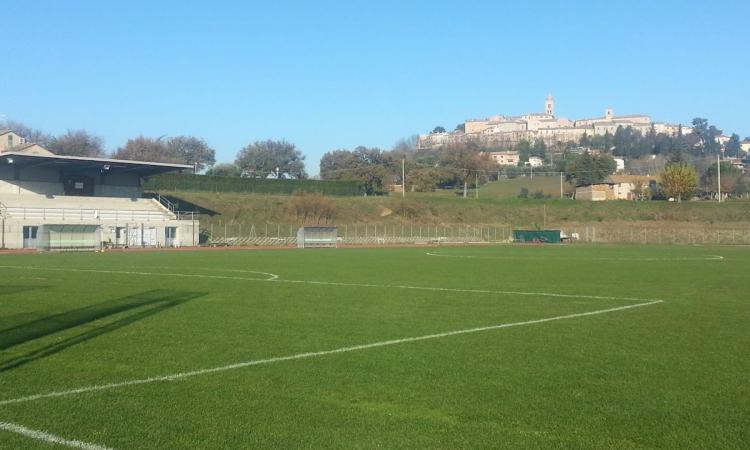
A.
x: 40, y: 188
x: 595, y: 193
x: 187, y: 230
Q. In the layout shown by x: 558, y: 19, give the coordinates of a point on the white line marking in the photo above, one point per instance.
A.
x: 257, y: 362
x: 334, y: 283
x: 539, y: 258
x: 271, y: 276
x: 471, y: 291
x: 47, y: 437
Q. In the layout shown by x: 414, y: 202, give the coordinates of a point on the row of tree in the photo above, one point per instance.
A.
x: 630, y: 143
x: 179, y: 149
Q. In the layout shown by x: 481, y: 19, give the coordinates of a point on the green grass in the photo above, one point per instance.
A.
x: 667, y: 375
x: 492, y: 207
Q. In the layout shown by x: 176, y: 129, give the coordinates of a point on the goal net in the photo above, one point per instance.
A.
x: 316, y: 237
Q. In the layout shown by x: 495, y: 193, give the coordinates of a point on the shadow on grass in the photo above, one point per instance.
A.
x: 132, y: 308
x: 14, y: 289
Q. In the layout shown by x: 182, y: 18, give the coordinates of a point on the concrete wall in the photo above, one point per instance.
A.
x: 40, y: 188
x: 47, y: 181
x: 187, y: 231
x: 595, y: 193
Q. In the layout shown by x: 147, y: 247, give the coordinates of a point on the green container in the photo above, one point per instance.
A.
x: 537, y: 236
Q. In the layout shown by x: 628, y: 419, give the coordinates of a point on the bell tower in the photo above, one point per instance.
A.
x: 549, y: 105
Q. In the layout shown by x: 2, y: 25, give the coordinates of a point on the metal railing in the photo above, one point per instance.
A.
x: 20, y: 212
x: 165, y: 202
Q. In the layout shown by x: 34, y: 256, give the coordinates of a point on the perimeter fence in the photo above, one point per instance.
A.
x: 276, y: 234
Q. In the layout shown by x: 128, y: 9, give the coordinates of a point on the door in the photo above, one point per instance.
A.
x: 29, y: 236
x: 149, y: 237
x: 170, y: 237
x: 120, y: 236
x: 134, y: 237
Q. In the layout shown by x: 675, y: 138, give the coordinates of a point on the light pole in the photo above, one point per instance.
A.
x: 718, y: 175
x: 403, y: 179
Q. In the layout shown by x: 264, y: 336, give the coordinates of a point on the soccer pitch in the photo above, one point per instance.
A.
x: 508, y: 346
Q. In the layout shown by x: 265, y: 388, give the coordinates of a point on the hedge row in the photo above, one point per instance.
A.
x: 189, y: 182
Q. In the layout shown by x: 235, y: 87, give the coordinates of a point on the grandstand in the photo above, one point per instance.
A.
x: 96, y: 201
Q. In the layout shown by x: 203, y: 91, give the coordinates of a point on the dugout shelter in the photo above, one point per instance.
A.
x: 317, y: 237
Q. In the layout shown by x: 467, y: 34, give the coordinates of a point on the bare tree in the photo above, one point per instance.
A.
x: 76, y: 143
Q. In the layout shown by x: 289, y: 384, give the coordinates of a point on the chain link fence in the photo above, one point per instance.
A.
x: 239, y: 234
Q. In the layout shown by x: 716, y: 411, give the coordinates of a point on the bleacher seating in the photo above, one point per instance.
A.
x: 70, y: 208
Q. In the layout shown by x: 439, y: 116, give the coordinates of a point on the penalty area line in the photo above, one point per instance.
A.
x: 258, y: 362
x: 48, y: 438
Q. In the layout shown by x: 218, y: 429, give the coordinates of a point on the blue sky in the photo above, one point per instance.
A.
x: 327, y: 75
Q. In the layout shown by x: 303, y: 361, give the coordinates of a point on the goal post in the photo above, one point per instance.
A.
x: 317, y: 237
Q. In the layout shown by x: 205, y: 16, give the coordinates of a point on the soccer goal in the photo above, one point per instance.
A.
x: 317, y: 237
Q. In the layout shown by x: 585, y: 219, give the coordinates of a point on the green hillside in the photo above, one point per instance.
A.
x: 449, y: 208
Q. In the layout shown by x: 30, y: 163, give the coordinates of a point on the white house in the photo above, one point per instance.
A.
x: 535, y: 161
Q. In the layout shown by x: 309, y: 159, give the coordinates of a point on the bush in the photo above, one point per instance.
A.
x: 524, y: 193
x: 313, y: 208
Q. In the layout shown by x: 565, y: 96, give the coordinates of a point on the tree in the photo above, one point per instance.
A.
x: 539, y: 149
x: 585, y: 142
x: 373, y: 168
x: 261, y: 158
x: 76, y: 143
x: 730, y: 178
x: 706, y: 135
x: 589, y: 169
x: 147, y: 149
x: 461, y: 127
x: 678, y: 180
x: 191, y: 150
x: 733, y: 147
x: 468, y: 164
x: 524, y: 150
x: 438, y: 129
x: 225, y: 170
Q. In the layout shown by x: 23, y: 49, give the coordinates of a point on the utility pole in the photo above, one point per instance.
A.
x: 718, y: 173
x: 476, y: 185
x: 403, y: 179
x: 561, y: 185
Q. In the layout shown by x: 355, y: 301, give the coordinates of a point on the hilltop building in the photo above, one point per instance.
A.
x: 509, y: 130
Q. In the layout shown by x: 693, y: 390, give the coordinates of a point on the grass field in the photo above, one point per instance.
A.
x: 456, y: 347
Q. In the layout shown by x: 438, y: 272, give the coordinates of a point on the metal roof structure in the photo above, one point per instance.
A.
x: 143, y: 168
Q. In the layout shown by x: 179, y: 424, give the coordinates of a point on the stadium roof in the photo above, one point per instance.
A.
x: 21, y: 159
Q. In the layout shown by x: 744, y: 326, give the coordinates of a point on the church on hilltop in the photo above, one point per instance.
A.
x: 505, y: 131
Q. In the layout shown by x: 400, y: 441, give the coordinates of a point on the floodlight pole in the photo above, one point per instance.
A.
x: 561, y: 185
x: 718, y: 177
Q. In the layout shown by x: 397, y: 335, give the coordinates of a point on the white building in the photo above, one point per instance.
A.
x: 509, y: 158
x: 535, y: 161
x: 508, y: 130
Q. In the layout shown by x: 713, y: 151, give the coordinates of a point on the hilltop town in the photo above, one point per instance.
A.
x: 505, y: 131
